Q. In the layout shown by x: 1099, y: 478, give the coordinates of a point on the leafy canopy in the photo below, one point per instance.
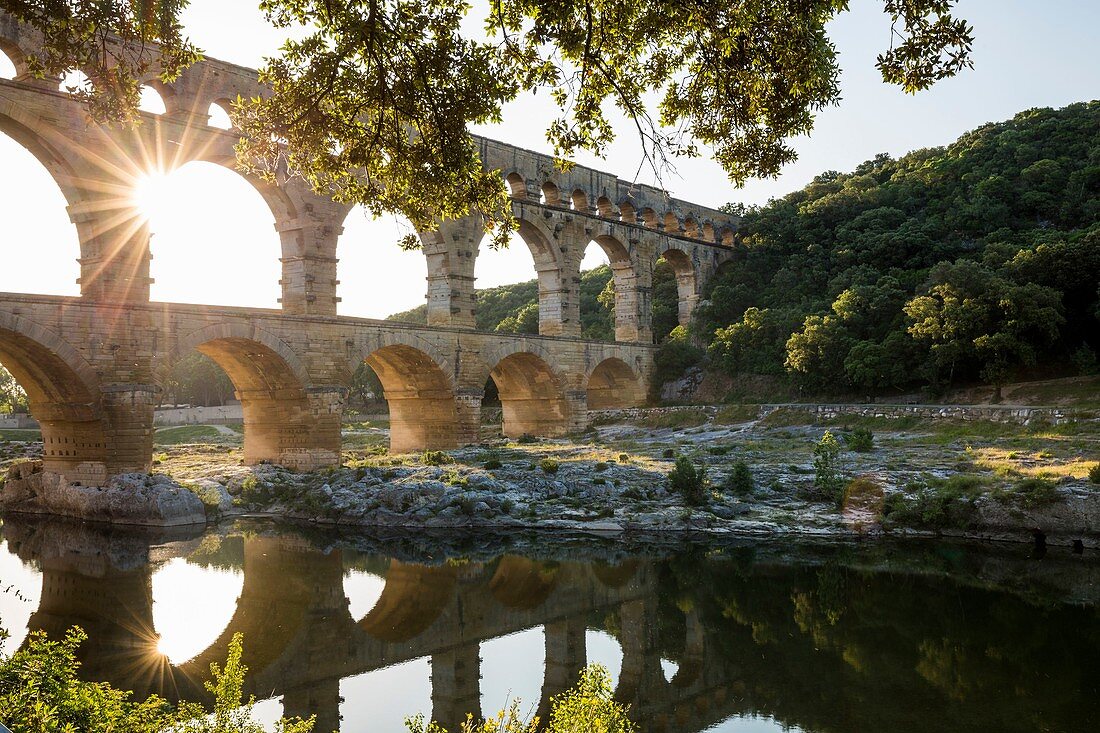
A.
x: 374, y: 104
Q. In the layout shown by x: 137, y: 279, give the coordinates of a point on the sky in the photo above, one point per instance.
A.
x: 214, y: 241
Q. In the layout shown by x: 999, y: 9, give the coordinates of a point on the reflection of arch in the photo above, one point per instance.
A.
x: 414, y: 597
x: 522, y: 583
x: 531, y: 396
x: 614, y: 576
x: 63, y: 394
x: 420, y: 397
x: 269, y: 380
x: 613, y: 384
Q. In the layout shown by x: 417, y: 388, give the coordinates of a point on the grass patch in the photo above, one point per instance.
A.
x: 677, y: 419
x: 736, y: 414
x: 17, y: 435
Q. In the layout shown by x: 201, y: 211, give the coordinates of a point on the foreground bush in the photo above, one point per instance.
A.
x: 739, y: 482
x: 827, y: 478
x: 860, y: 440
x: 41, y: 693
x: 590, y: 707
x: 688, y: 481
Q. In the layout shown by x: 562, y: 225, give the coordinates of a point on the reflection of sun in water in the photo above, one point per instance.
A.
x: 192, y: 605
x: 363, y: 591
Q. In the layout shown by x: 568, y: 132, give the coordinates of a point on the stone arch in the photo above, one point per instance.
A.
x: 270, y: 381
x: 163, y: 94
x: 624, y: 277
x: 517, y: 185
x: 691, y: 228
x: 708, y: 231
x: 413, y: 598
x: 532, y: 395
x: 648, y: 217
x: 225, y: 105
x: 605, y: 208
x: 671, y: 222
x: 551, y: 194
x: 63, y: 395
x: 549, y: 271
x: 686, y: 280
x: 627, y: 213
x: 579, y: 200
x: 220, y: 152
x: 612, y: 384
x: 419, y: 392
x: 727, y: 236
x: 12, y: 53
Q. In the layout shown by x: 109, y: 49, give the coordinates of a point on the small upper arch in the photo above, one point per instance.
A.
x: 579, y: 200
x: 605, y: 208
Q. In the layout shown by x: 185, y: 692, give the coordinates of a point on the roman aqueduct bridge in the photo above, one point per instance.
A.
x: 90, y: 364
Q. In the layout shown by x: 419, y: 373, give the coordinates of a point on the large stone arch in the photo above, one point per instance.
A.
x: 417, y: 385
x: 63, y: 394
x: 271, y: 383
x: 631, y: 323
x: 550, y: 271
x: 413, y: 598
x: 533, y: 394
x: 612, y: 384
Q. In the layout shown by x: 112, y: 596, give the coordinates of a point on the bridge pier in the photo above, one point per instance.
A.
x: 456, y: 686
x: 642, y: 682
x: 451, y: 254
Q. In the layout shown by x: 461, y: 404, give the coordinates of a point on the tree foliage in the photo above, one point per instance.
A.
x: 952, y: 264
x: 373, y: 105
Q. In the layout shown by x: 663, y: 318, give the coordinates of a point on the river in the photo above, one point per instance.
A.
x: 745, y: 635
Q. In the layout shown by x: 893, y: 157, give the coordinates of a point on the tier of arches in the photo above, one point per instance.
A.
x: 291, y: 420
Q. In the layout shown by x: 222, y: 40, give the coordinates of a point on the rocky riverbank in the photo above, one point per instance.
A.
x: 919, y: 476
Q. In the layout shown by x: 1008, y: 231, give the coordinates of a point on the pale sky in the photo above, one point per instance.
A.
x: 213, y: 236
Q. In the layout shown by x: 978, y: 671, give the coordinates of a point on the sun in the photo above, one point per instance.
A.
x: 154, y: 195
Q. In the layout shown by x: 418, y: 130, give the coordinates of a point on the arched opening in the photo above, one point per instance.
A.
x: 649, y: 218
x: 8, y: 69
x: 64, y: 402
x: 508, y: 298
x: 517, y: 186
x: 219, y: 115
x: 531, y: 397
x: 579, y: 201
x: 35, y: 219
x: 606, y: 208
x: 708, y: 232
x: 419, y: 396
x: 627, y: 213
x: 672, y: 223
x: 551, y: 196
x: 212, y: 237
x: 691, y: 228
x: 378, y: 279
x: 664, y: 301
x: 608, y: 296
x: 152, y: 101
x: 682, y: 268
x: 614, y: 385
x: 278, y: 423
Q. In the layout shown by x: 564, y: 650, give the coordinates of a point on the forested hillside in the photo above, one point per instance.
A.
x: 948, y: 265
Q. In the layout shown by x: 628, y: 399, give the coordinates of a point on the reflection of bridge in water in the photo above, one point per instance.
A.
x: 928, y: 638
x: 301, y: 640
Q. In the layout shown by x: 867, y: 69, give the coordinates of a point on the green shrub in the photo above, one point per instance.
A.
x: 1033, y: 492
x: 601, y: 466
x: 668, y: 453
x: 526, y: 439
x: 938, y: 504
x: 507, y: 506
x: 549, y: 465
x: 688, y: 481
x: 827, y: 478
x: 719, y: 450
x: 860, y: 440
x: 435, y: 458
x: 739, y: 482
x: 624, y: 458
x: 599, y: 481
x: 734, y: 414
x: 1094, y: 473
x: 492, y: 464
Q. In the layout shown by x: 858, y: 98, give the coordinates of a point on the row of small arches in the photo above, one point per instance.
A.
x: 551, y: 194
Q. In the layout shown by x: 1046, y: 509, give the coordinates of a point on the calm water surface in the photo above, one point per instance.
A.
x: 752, y: 637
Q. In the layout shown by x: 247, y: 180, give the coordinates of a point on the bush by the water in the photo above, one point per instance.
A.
x: 739, y: 482
x: 688, y: 481
x: 827, y: 479
x: 435, y: 458
x: 1094, y: 473
x: 860, y: 440
x: 1034, y: 492
x: 549, y: 465
x: 937, y: 504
